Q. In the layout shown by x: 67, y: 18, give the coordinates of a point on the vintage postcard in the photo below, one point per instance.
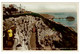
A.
x: 40, y: 26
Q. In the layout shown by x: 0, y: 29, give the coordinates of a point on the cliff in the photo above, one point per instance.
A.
x: 35, y: 32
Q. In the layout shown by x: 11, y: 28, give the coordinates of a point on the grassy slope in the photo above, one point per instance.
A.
x: 69, y: 36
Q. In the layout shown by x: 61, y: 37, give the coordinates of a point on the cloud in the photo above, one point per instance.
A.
x: 49, y: 7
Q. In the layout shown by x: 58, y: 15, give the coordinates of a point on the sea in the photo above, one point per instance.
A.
x: 63, y: 20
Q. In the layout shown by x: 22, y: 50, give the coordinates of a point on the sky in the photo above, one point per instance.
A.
x: 48, y: 7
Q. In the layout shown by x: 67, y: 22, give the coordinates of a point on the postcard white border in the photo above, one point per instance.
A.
x: 38, y: 52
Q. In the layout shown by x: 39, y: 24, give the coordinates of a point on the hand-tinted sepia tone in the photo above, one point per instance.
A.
x: 50, y: 29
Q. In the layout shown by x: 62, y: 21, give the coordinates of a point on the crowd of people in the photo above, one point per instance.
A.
x: 27, y: 25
